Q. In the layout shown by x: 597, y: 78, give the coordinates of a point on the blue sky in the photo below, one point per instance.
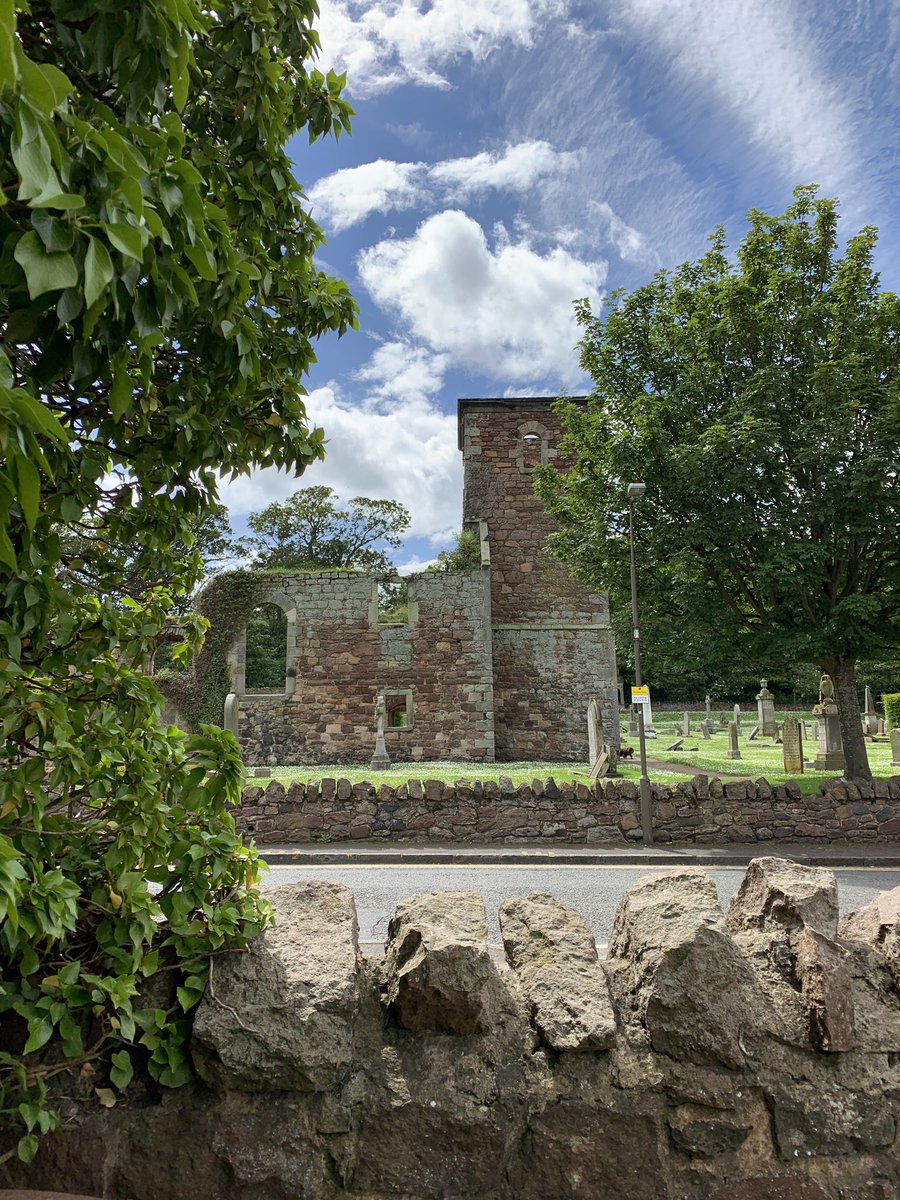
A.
x: 510, y: 156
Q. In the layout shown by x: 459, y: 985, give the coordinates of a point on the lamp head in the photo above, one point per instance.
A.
x: 636, y: 490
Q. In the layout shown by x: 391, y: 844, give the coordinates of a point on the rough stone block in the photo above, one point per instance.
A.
x: 824, y: 970
x: 779, y: 895
x: 680, y: 972
x: 438, y: 972
x: 279, y: 1016
x: 877, y: 924
x: 554, y: 954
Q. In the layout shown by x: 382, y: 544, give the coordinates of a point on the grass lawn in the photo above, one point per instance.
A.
x: 760, y: 760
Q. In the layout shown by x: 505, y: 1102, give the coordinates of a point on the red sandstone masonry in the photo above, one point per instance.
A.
x: 552, y: 646
x: 697, y: 811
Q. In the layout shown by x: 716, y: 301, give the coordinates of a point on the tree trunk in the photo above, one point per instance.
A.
x: 843, y: 674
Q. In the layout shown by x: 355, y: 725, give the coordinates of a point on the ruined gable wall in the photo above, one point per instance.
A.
x: 343, y: 657
x: 553, y: 648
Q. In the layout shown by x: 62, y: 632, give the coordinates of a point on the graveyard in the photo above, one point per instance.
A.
x: 760, y: 758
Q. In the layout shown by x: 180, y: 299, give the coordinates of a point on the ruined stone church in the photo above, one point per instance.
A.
x: 494, y: 664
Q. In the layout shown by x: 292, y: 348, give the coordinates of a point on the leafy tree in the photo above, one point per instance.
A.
x: 310, y: 531
x: 109, y: 570
x: 157, y: 305
x: 464, y: 555
x: 757, y: 398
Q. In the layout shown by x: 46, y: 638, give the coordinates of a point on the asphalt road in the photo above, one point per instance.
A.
x: 594, y: 891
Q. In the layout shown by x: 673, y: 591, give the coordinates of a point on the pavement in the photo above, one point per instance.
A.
x: 813, y: 854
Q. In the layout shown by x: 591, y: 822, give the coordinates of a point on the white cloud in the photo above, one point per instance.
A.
x: 340, y: 200
x: 506, y: 312
x: 517, y: 168
x: 383, y: 43
x: 401, y: 371
x: 406, y: 452
x: 764, y: 63
x: 629, y: 242
x: 350, y: 195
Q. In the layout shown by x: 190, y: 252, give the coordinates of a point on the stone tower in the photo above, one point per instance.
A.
x: 552, y: 645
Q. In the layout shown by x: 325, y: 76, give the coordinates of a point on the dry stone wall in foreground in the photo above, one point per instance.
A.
x: 698, y: 810
x: 747, y: 1056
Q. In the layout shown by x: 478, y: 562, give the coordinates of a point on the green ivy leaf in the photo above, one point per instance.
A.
x: 98, y: 271
x: 121, y: 1072
x: 126, y: 239
x: 45, y: 271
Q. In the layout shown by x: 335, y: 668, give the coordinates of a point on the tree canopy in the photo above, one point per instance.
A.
x: 758, y: 399
x: 311, y: 530
x: 158, y: 304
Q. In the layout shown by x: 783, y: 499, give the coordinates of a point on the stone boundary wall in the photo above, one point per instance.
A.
x: 699, y: 810
x: 747, y: 1055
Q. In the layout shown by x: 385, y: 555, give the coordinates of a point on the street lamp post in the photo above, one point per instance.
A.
x: 635, y: 491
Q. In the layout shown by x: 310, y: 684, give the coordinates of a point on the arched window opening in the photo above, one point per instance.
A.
x: 266, y: 649
x: 532, y: 446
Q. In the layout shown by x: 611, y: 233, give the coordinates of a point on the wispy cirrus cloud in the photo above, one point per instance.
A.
x: 347, y: 197
x: 763, y: 60
x: 385, y: 43
x: 505, y: 310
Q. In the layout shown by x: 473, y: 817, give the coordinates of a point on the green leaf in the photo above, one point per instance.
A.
x: 121, y: 1072
x: 9, y: 70
x: 54, y: 233
x: 44, y: 271
x: 28, y: 1147
x: 67, y: 201
x: 43, y: 85
x: 98, y: 271
x: 126, y: 239
x: 29, y: 489
x: 34, y: 164
x: 40, y: 1030
x: 121, y: 394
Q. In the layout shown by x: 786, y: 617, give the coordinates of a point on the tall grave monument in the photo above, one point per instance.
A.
x: 765, y: 711
x: 831, y: 746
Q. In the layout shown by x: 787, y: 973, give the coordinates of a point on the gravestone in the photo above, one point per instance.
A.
x: 594, y: 730
x: 677, y: 744
x: 707, y: 725
x: 736, y: 718
x: 815, y: 731
x: 380, y: 760
x: 230, y: 718
x: 733, y: 750
x: 870, y: 716
x: 831, y: 746
x: 792, y: 746
x: 765, y: 709
x: 686, y: 725
x: 895, y: 747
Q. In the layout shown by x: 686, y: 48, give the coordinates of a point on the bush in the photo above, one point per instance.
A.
x: 891, y: 702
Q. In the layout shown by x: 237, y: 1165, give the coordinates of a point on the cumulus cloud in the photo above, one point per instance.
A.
x: 384, y: 43
x: 406, y: 451
x: 340, y: 200
x: 402, y: 371
x: 517, y: 168
x: 350, y: 195
x: 505, y: 311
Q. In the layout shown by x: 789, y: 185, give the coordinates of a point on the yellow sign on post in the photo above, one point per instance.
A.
x: 640, y: 694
